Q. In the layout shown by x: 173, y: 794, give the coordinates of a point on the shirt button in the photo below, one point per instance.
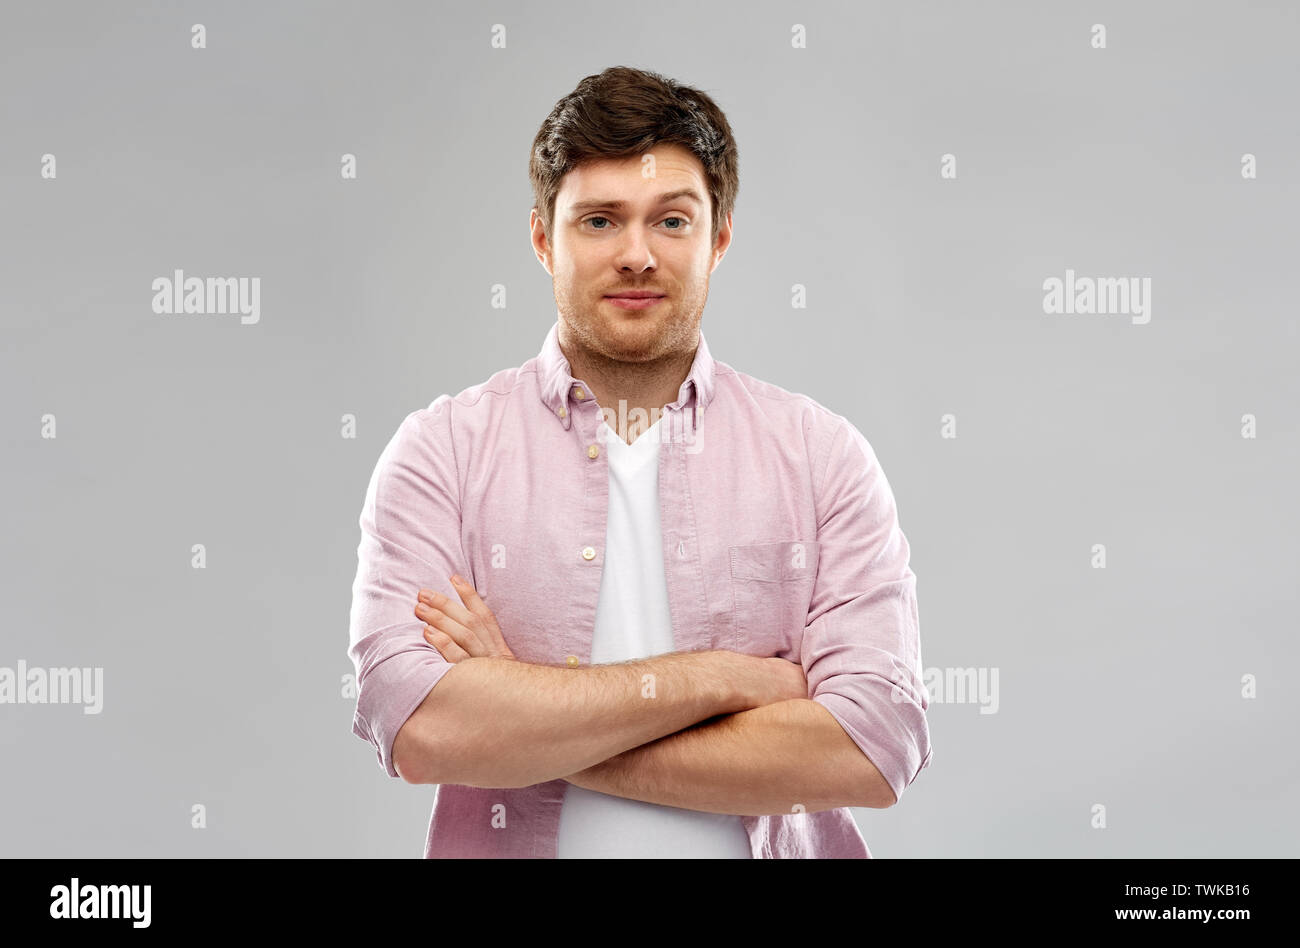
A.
x: 560, y: 411
x: 588, y: 553
x: 579, y: 394
x: 592, y: 451
x: 572, y: 660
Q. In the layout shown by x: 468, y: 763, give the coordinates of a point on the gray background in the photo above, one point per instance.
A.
x: 1118, y: 686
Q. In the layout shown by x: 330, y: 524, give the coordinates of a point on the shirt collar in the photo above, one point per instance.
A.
x: 558, y: 386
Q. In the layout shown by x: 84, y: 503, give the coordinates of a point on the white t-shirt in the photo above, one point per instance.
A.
x: 632, y: 621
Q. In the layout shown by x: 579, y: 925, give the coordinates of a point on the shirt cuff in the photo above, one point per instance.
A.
x: 892, y: 738
x: 392, y: 691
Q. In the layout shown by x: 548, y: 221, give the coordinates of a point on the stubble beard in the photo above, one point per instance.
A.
x: 593, y: 325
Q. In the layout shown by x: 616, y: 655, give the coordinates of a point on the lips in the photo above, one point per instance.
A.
x: 634, y: 301
x: 635, y: 295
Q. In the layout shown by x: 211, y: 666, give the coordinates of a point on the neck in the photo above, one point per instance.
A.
x: 632, y: 394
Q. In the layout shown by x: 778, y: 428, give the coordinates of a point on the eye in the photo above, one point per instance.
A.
x: 682, y: 223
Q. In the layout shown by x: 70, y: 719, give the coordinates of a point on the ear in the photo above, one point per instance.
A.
x: 541, y: 243
x: 723, y: 241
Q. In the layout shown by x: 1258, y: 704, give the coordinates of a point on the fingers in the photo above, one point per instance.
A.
x: 466, y: 637
x: 445, y: 645
x: 490, y: 629
x: 448, y: 605
x: 444, y: 605
x: 474, y: 602
x: 471, y: 626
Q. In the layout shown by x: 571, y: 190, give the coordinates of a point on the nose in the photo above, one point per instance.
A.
x: 634, y: 251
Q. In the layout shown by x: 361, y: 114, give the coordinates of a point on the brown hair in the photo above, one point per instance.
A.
x: 624, y: 112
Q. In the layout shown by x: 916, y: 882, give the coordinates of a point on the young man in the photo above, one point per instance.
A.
x: 702, y: 637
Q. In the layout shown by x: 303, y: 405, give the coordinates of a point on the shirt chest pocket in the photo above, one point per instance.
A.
x: 771, y: 588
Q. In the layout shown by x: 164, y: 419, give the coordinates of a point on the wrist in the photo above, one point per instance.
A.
x: 736, y: 675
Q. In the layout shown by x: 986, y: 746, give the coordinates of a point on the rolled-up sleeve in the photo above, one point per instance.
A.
x: 861, y: 648
x: 410, y: 539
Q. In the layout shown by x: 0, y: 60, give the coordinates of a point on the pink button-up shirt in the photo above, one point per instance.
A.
x: 780, y: 538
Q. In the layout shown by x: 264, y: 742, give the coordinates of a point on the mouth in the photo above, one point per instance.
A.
x: 635, y: 300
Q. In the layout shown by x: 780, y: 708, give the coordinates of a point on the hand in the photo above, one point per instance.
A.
x: 792, y: 682
x: 772, y: 680
x: 460, y: 631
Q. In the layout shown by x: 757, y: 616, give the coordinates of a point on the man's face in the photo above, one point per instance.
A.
x: 614, y: 232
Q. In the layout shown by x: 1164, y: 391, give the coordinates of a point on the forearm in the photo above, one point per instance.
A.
x: 769, y: 760
x: 493, y: 722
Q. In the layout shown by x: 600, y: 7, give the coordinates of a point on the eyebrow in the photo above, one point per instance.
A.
x: 689, y: 193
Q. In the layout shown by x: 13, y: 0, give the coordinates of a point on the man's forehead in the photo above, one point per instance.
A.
x: 674, y: 170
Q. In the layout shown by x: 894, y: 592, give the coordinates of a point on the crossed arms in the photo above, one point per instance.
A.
x: 717, y: 730
x: 723, y: 732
